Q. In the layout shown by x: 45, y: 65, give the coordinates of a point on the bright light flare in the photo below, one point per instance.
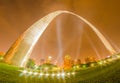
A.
x: 35, y: 73
x: 73, y: 73
x: 41, y: 74
x: 68, y: 74
x: 58, y: 74
x: 47, y: 74
x: 62, y: 74
x: 49, y: 57
x: 118, y: 56
x: 24, y: 71
x: 53, y: 74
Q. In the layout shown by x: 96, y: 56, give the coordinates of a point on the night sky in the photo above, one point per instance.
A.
x: 75, y: 37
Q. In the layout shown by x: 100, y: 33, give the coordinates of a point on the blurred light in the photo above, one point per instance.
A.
x: 53, y: 74
x: 105, y: 61
x: 73, y: 73
x: 63, y: 74
x: 41, y: 74
x: 118, y: 56
x: 58, y: 74
x: 50, y: 57
x: 35, y: 73
x: 68, y: 74
x: 100, y: 62
x: 108, y: 56
x: 77, y: 66
x: 30, y: 72
x: 24, y: 71
x: 46, y: 68
x: 36, y: 66
x: 92, y: 64
x: 110, y: 59
x: 47, y: 74
x: 1, y: 58
x: 84, y: 66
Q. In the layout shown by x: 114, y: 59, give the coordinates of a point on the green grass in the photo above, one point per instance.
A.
x: 109, y: 73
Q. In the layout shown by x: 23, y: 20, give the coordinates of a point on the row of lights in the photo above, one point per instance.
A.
x: 109, y: 59
x: 41, y: 74
x: 63, y: 74
x: 105, y: 61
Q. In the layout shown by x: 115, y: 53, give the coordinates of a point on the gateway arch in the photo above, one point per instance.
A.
x: 20, y: 51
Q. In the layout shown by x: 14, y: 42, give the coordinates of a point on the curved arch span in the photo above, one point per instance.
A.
x: 20, y: 51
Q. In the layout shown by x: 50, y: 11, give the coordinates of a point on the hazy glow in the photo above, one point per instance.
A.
x: 100, y: 62
x: 35, y: 73
x: 68, y: 74
x: 58, y: 74
x: 102, y: 38
x: 41, y: 74
x: 63, y: 74
x: 93, y: 46
x: 118, y: 56
x: 53, y: 74
x: 24, y: 71
x: 59, y: 40
x: 50, y: 57
x: 30, y: 72
x: 31, y: 36
x: 80, y: 42
x: 73, y: 73
x: 47, y: 74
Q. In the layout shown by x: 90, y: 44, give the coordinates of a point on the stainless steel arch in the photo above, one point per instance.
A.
x: 20, y: 51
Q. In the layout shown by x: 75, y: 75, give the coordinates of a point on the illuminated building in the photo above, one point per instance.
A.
x: 67, y: 62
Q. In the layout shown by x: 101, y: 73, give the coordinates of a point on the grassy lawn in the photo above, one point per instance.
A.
x: 109, y: 73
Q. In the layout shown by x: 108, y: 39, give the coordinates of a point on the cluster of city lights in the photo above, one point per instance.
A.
x: 109, y: 59
x: 63, y: 74
x: 47, y: 74
x: 103, y: 62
